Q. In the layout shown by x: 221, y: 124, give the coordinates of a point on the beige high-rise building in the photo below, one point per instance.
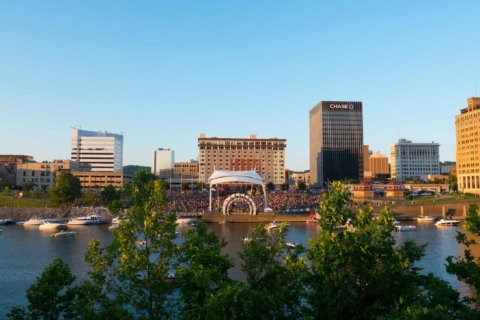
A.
x: 43, y: 173
x: 467, y: 126
x: 266, y: 156
x: 378, y: 164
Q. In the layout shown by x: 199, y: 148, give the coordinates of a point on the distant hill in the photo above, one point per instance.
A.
x: 132, y: 169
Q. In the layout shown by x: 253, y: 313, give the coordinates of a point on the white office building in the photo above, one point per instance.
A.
x: 163, y: 162
x: 414, y: 160
x: 97, y: 150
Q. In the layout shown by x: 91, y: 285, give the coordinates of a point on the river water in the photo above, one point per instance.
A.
x: 26, y: 251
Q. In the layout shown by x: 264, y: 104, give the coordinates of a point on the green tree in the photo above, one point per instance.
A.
x: 467, y: 267
x: 34, y: 193
x: 185, y: 186
x: 28, y: 186
x: 302, y: 185
x: 109, y: 193
x: 67, y: 189
x: 202, y: 272
x: 272, y: 288
x: 284, y: 186
x: 353, y: 271
x: 89, y: 195
x: 44, y: 187
x: 135, y: 275
x: 199, y: 185
x: 6, y: 189
x: 50, y: 296
x: 270, y: 186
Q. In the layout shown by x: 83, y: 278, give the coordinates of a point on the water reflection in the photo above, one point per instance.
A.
x: 26, y: 251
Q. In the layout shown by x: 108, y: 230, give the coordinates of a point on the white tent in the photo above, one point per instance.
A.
x: 223, y: 176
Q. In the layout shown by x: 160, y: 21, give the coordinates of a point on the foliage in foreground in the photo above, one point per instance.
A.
x: 353, y: 269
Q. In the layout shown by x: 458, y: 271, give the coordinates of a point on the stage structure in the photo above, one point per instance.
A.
x: 237, y: 177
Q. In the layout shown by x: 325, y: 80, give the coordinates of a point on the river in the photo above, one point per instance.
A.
x: 26, y: 251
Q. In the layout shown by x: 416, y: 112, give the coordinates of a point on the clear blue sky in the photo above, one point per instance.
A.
x: 164, y: 72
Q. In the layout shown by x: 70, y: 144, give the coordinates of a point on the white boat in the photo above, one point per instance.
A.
x: 114, y: 226
x: 118, y: 220
x: 63, y: 233
x: 37, y: 221
x: 271, y: 225
x: 87, y: 220
x: 7, y: 221
x: 246, y: 239
x: 52, y: 225
x: 447, y: 222
x: 396, y: 223
x: 186, y: 220
x: 291, y: 245
x: 426, y: 218
x: 223, y: 222
x: 405, y: 228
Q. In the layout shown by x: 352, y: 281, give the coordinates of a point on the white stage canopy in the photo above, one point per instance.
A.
x: 225, y: 177
x: 219, y: 177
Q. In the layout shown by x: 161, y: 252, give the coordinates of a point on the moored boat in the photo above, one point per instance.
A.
x: 292, y: 245
x: 7, y: 221
x: 52, y: 225
x: 271, y: 225
x: 186, y: 220
x: 396, y: 223
x: 63, y: 233
x: 405, y: 228
x: 447, y: 222
x: 426, y: 218
x: 35, y: 221
x: 87, y: 220
x: 118, y: 220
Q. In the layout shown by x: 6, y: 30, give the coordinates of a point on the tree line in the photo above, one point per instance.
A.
x: 359, y: 272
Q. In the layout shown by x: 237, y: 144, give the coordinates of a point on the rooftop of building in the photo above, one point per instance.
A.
x: 252, y: 137
x: 409, y: 142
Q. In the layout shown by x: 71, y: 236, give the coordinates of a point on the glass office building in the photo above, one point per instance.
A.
x: 163, y: 162
x: 336, y: 142
x: 97, y: 150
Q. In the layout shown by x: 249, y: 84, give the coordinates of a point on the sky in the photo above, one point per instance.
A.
x: 162, y: 72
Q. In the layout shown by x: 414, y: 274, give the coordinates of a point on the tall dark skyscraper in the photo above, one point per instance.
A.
x: 336, y: 141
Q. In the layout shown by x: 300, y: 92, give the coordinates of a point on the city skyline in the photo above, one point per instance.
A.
x: 234, y: 69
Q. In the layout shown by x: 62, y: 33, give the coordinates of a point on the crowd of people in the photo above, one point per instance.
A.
x: 195, y: 201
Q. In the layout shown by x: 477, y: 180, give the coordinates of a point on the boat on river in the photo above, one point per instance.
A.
x: 405, y: 228
x: 87, y: 220
x: 447, y: 222
x: 397, y: 223
x: 52, y: 225
x: 7, y: 221
x: 63, y: 233
x: 426, y: 218
x: 292, y: 245
x: 186, y: 220
x: 35, y: 221
x: 118, y: 220
x: 271, y: 225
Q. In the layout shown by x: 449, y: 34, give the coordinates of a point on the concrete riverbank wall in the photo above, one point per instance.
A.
x: 17, y: 213
x: 457, y: 210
